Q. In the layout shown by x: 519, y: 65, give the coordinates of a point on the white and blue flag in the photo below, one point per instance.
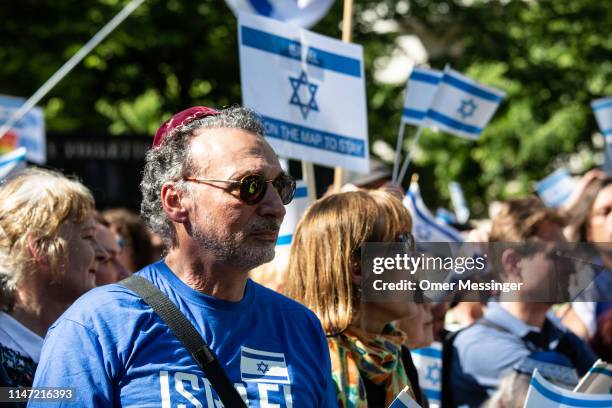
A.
x: 304, y: 13
x: 425, y: 228
x: 462, y: 212
x: 421, y: 88
x: 544, y: 394
x: 428, y: 362
x: 12, y: 161
x: 462, y: 106
x: 29, y: 130
x: 602, y: 108
x: 309, y: 90
x: 556, y: 188
x: 263, y: 366
x: 404, y: 400
x: 598, y: 380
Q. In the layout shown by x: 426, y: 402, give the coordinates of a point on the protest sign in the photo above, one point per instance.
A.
x: 309, y: 90
x: 28, y: 132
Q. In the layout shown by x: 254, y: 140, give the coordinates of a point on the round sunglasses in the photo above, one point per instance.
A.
x: 253, y: 187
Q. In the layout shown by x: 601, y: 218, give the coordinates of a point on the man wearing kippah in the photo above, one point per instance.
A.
x: 214, y: 190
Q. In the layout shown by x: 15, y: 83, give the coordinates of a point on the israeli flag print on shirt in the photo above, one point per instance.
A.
x: 602, y: 108
x: 266, y: 366
x: 304, y: 13
x: 421, y: 89
x: 462, y: 106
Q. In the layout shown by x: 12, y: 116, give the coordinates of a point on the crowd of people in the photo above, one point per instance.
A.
x: 214, y: 197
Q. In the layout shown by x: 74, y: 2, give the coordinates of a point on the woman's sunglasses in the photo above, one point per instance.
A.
x: 253, y: 187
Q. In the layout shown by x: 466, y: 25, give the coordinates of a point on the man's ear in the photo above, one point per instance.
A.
x: 172, y: 202
x: 36, y: 252
x: 510, y: 262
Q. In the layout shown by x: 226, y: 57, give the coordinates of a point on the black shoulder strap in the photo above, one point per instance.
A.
x: 189, y: 336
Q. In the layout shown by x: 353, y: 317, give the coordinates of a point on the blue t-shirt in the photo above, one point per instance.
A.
x: 116, y: 352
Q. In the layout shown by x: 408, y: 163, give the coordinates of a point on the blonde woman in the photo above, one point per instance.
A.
x: 369, y: 365
x: 46, y: 261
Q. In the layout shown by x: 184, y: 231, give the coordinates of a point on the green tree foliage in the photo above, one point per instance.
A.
x: 552, y: 57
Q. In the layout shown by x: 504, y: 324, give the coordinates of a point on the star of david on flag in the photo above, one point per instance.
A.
x: 421, y: 88
x: 264, y: 366
x: 428, y: 362
x: 462, y: 106
x: 602, y: 108
x: 303, y: 94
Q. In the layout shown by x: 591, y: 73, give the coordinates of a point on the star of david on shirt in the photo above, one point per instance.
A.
x: 263, y: 367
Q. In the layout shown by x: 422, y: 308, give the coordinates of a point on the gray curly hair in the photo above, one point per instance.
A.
x: 172, y: 160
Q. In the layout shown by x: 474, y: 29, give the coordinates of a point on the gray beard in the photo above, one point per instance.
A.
x: 236, y: 251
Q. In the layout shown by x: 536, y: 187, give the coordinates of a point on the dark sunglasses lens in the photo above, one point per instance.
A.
x: 285, y: 185
x: 252, y: 189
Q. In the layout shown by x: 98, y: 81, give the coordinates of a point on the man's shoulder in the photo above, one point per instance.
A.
x: 481, y: 338
x: 269, y: 298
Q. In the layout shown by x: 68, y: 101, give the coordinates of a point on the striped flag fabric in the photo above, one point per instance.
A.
x: 12, y: 161
x: 421, y: 88
x: 556, y: 188
x: 428, y: 362
x: 544, y: 394
x: 425, y: 228
x: 263, y: 366
x: 602, y: 108
x: 598, y: 380
x: 462, y: 106
x: 403, y: 400
x: 304, y: 13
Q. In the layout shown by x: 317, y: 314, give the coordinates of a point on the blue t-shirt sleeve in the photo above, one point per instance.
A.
x: 73, y: 357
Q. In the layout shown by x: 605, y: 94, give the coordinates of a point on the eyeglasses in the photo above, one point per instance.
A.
x: 253, y: 187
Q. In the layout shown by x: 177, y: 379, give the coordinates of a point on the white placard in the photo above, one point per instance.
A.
x: 28, y: 132
x: 309, y: 90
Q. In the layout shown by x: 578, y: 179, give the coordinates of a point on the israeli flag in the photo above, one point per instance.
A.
x: 12, y: 161
x: 304, y: 13
x: 263, y: 366
x: 462, y: 212
x: 602, y: 108
x: 309, y: 90
x: 462, y: 106
x: 556, y: 188
x: 425, y: 228
x: 598, y: 380
x: 403, y: 400
x: 428, y: 362
x: 544, y: 394
x: 421, y: 88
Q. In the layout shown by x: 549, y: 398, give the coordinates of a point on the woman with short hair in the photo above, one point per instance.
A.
x: 325, y: 275
x: 47, y: 248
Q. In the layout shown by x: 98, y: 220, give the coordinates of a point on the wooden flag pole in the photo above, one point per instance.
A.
x: 347, y: 27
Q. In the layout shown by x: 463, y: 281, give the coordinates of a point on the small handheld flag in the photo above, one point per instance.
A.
x: 602, y: 108
x: 462, y: 106
x: 421, y: 89
x: 598, y: 380
x: 556, y: 188
x: 403, y: 400
x: 544, y: 394
x: 425, y: 228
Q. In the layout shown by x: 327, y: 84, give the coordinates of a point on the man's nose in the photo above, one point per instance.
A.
x: 272, y: 204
